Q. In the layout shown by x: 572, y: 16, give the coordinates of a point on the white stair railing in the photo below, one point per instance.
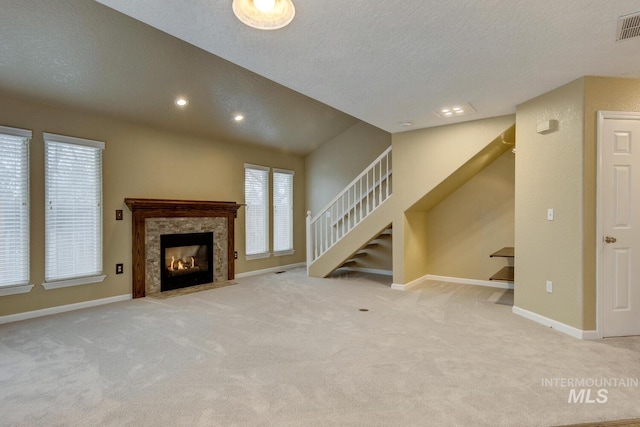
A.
x: 361, y: 197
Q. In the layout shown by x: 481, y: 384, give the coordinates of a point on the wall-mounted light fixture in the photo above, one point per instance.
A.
x: 546, y: 126
x: 264, y: 14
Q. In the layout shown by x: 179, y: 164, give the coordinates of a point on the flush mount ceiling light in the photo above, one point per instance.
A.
x: 181, y: 102
x: 264, y: 14
x: 456, y: 110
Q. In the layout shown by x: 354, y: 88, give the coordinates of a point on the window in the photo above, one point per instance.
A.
x: 73, y: 211
x: 256, y: 198
x: 14, y: 211
x: 282, y: 212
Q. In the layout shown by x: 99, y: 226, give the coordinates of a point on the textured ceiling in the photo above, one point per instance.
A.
x: 81, y: 54
x: 382, y: 62
x: 387, y: 61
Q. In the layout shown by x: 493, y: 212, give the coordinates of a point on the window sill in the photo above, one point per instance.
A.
x: 257, y: 256
x: 73, y: 282
x: 283, y: 253
x: 14, y: 290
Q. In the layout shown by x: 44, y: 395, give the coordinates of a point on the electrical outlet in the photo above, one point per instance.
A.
x: 119, y: 269
x: 235, y: 255
x: 550, y: 214
x: 549, y: 286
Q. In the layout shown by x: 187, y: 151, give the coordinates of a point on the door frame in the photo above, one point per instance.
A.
x: 602, y: 116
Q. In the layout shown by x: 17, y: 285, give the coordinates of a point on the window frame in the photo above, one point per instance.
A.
x: 265, y: 253
x: 57, y: 280
x: 290, y: 249
x: 22, y: 286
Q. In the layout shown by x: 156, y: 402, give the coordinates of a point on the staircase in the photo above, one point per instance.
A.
x: 362, y: 199
x: 431, y: 170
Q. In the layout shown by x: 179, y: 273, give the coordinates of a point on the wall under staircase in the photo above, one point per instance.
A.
x: 429, y: 165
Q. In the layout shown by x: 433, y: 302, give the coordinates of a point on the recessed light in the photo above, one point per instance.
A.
x: 238, y: 117
x: 181, y: 102
x: 406, y: 123
x: 457, y: 110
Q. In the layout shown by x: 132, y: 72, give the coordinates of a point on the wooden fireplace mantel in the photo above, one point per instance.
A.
x: 165, y: 208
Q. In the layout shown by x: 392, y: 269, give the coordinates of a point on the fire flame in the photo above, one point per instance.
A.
x: 181, y: 264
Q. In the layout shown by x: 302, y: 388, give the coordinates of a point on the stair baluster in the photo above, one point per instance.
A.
x: 362, y: 196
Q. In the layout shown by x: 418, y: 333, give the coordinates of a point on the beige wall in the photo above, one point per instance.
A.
x: 473, y: 222
x: 336, y: 163
x: 423, y: 160
x: 140, y: 162
x: 549, y: 175
x: 558, y: 170
x: 416, y: 240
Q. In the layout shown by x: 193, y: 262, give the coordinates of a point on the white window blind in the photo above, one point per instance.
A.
x: 256, y: 198
x: 73, y: 216
x: 14, y: 206
x: 282, y: 211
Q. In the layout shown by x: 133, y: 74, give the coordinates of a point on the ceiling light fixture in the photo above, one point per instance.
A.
x: 181, y: 102
x: 238, y: 117
x: 264, y: 14
x: 456, y: 110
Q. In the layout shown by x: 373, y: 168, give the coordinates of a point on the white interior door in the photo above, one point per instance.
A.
x: 619, y: 224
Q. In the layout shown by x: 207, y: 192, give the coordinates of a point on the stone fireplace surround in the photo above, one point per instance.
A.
x: 153, y: 217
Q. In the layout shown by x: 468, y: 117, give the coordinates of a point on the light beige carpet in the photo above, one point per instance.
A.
x: 286, y: 350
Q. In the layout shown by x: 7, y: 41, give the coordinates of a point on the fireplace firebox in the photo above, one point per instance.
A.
x: 185, y: 260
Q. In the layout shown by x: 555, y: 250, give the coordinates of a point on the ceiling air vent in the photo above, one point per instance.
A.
x: 628, y: 26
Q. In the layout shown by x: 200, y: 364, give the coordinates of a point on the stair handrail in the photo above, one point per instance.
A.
x: 356, y: 179
x: 353, y: 211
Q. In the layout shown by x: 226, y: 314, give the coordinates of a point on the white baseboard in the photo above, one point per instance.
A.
x: 368, y: 270
x: 62, y: 309
x: 407, y: 286
x: 559, y: 326
x: 474, y: 282
x: 270, y: 270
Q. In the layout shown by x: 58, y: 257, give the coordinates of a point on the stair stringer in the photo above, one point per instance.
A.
x: 372, y: 225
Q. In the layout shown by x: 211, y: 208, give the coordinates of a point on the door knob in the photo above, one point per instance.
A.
x: 609, y: 239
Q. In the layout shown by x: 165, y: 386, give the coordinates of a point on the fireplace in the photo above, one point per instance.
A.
x: 153, y: 218
x: 185, y: 260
